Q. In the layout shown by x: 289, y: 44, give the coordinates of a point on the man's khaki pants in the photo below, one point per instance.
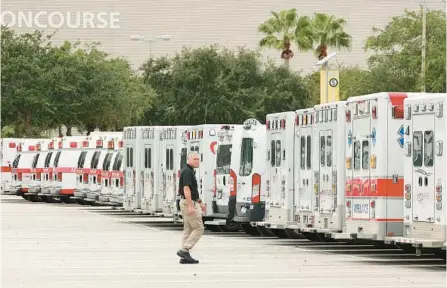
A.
x: 192, y: 225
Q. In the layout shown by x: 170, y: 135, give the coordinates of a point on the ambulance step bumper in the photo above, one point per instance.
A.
x: 421, y: 243
x: 342, y: 236
x: 309, y: 230
x: 216, y: 222
x: 271, y: 225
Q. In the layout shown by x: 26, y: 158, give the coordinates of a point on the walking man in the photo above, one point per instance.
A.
x: 191, y: 207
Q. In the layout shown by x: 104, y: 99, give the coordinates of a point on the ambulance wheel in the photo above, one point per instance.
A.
x: 54, y: 199
x: 231, y: 227
x: 26, y: 197
x: 214, y: 228
x: 311, y: 236
x: 250, y: 230
x: 35, y: 198
x: 280, y: 233
x: 44, y: 198
x: 264, y: 231
x: 80, y: 201
x: 441, y: 254
x: 293, y: 234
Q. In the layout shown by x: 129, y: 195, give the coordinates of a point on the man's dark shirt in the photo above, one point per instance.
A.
x: 188, y: 178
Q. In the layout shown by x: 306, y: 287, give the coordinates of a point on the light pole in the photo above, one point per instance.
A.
x: 324, y: 63
x: 150, y: 40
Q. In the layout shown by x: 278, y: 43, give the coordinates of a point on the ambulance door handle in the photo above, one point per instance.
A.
x: 224, y: 182
x: 426, y: 181
x: 420, y: 181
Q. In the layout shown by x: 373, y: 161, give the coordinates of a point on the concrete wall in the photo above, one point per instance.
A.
x: 197, y: 22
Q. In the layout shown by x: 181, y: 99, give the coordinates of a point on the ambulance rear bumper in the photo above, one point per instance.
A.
x: 270, y: 225
x: 421, y: 243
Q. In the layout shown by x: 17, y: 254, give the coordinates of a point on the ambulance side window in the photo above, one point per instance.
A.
x: 116, y: 164
x: 95, y: 160
x: 171, y: 159
x: 129, y: 157
x: 428, y: 148
x: 309, y: 153
x: 417, y: 148
x: 147, y: 157
x: 322, y: 151
x: 82, y: 159
x: 365, y: 154
x: 302, y: 153
x: 167, y: 159
x: 15, y: 163
x: 246, y: 157
x: 48, y: 159
x: 278, y: 153
x: 272, y: 158
x: 329, y: 151
x: 36, y: 158
x: 56, y: 159
x: 106, y: 164
x: 357, y: 155
x: 183, y: 158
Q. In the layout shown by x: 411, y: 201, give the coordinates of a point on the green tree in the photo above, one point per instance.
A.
x: 396, y: 62
x: 327, y: 31
x: 283, y: 29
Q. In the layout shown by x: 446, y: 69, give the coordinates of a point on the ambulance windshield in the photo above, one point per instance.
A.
x: 223, y: 159
x: 246, y: 157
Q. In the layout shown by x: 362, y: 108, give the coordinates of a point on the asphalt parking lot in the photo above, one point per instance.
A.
x: 68, y: 245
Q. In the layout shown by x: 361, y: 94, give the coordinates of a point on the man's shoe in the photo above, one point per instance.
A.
x: 183, y: 254
x: 188, y: 261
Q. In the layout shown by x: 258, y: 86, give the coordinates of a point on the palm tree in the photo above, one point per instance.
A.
x: 326, y: 31
x: 281, y: 30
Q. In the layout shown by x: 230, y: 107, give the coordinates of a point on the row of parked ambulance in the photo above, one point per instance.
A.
x: 78, y: 168
x: 371, y: 168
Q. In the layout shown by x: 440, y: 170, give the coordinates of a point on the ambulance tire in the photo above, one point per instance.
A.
x: 264, y: 231
x: 250, y: 230
x: 81, y: 202
x: 441, y: 254
x: 35, y: 198
x: 311, y: 236
x: 280, y: 233
x: 68, y: 200
x: 233, y: 227
x: 214, y: 228
x: 26, y: 197
x: 293, y: 234
x: 51, y: 199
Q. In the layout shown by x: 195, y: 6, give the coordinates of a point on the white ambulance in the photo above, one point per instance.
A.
x: 41, y: 158
x: 225, y: 174
x: 108, y: 182
x: 132, y: 164
x: 150, y: 171
x: 425, y: 164
x: 117, y: 180
x: 328, y: 191
x: 374, y: 166
x: 89, y: 156
x: 105, y: 147
x: 280, y: 166
x: 174, y: 158
x: 251, y: 181
x: 8, y: 154
x: 21, y: 168
x: 65, y: 165
x: 203, y: 139
x: 47, y: 176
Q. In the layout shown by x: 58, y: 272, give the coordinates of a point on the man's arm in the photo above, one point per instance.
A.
x: 187, y: 192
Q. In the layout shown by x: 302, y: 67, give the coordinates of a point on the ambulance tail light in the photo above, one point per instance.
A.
x: 439, y: 188
x: 73, y: 145
x: 110, y: 145
x: 373, y: 162
x: 85, y: 144
x: 297, y: 121
x: 98, y: 143
x: 188, y: 135
x: 214, y: 183
x: 59, y: 176
x: 348, y: 115
x: 373, y: 209
x: 19, y: 176
x: 121, y: 182
x: 59, y: 145
x: 374, y: 112
x: 348, y: 163
x: 256, y: 188
x: 232, y: 181
x: 38, y: 147
x: 267, y: 125
x: 31, y: 148
x: 12, y: 145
